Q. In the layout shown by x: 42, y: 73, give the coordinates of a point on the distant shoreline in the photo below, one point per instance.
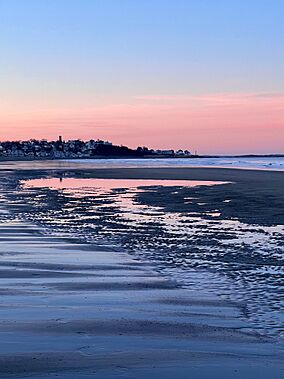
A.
x: 29, y: 159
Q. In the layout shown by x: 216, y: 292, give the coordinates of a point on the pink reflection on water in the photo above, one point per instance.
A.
x: 110, y: 184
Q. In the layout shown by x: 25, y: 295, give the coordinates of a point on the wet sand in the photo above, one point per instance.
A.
x: 76, y: 310
x: 257, y: 196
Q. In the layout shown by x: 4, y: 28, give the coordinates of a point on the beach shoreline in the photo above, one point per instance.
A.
x: 87, y: 311
x: 266, y: 163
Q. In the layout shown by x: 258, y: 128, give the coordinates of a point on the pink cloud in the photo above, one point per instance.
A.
x: 212, y: 123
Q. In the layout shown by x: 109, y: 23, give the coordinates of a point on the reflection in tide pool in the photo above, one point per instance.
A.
x: 109, y: 184
x: 237, y: 261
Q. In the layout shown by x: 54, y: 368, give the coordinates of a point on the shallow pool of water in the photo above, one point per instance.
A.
x: 201, y: 251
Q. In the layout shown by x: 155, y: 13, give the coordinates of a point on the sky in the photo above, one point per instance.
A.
x: 205, y: 75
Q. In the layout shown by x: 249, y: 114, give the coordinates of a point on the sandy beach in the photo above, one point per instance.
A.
x: 141, y: 189
x: 76, y: 307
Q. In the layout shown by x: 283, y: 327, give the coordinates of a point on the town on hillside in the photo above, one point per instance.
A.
x: 72, y: 149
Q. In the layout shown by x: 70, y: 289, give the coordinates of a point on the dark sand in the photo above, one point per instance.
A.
x: 257, y: 196
x: 74, y: 310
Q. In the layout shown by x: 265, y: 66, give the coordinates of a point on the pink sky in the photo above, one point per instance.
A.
x: 220, y: 123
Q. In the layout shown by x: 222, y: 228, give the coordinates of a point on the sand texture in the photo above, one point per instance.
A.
x: 76, y: 309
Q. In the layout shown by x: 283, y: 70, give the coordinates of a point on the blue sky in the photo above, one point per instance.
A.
x: 63, y: 53
x: 156, y: 46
